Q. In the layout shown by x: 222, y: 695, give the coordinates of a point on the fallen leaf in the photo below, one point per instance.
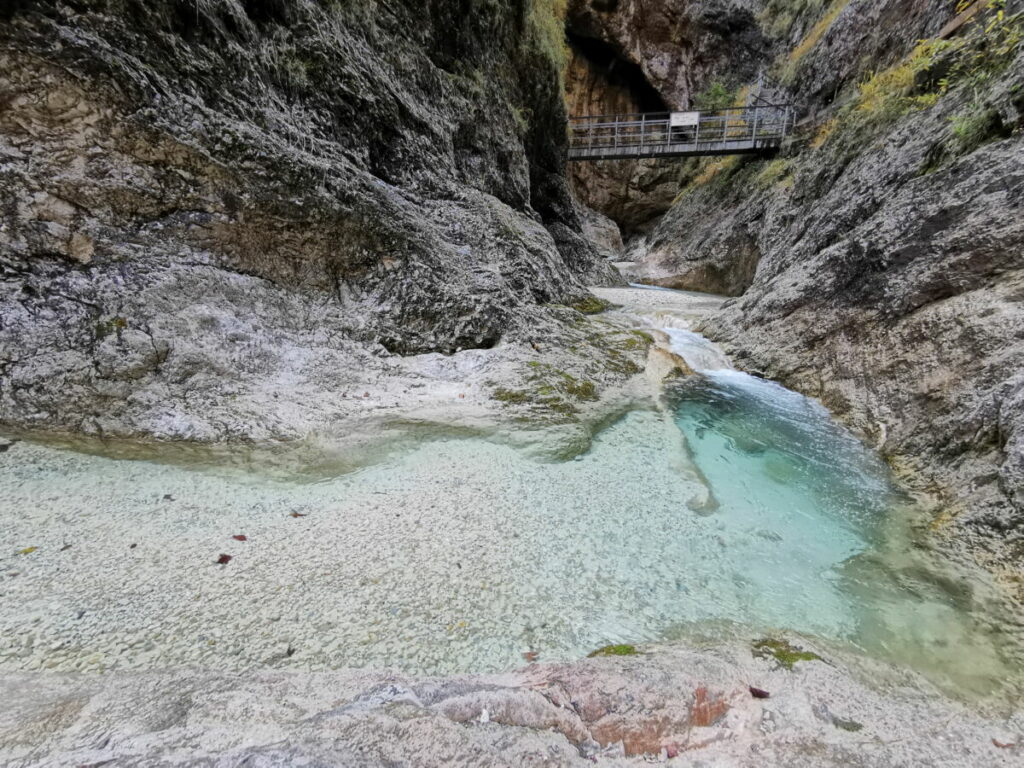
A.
x: 298, y: 514
x: 366, y: 394
x: 672, y: 750
x: 65, y: 547
x: 531, y: 656
x: 1003, y: 744
x: 463, y: 397
x: 27, y: 550
x: 759, y: 693
x: 240, y: 537
x: 223, y: 559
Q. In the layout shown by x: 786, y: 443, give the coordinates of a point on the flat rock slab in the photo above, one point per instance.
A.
x: 670, y: 704
x: 662, y: 305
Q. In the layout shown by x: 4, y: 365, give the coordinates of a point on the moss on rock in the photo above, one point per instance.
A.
x: 591, y: 305
x: 622, y: 649
x: 783, y: 652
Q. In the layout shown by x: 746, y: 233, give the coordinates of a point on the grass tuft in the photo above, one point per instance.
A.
x: 614, y: 650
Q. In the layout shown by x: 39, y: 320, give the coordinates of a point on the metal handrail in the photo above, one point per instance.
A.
x: 749, y: 129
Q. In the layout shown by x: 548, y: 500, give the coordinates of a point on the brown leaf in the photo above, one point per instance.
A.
x: 531, y: 656
x: 1003, y: 744
x: 298, y: 514
x: 223, y: 559
x: 759, y: 693
x: 240, y: 537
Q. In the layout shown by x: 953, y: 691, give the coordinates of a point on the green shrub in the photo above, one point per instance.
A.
x: 716, y: 96
x: 975, y: 128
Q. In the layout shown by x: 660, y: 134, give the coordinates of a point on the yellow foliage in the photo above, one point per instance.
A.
x: 774, y: 172
x: 826, y: 130
x: 878, y: 92
x: 712, y: 169
x: 813, y: 37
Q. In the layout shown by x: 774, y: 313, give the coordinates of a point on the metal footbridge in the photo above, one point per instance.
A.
x: 756, y: 129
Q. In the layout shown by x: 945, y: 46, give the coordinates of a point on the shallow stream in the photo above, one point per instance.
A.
x: 464, y: 554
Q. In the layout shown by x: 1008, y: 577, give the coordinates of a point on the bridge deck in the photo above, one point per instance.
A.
x: 758, y: 129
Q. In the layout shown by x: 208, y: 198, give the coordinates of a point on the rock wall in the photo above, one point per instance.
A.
x: 879, y: 262
x: 197, y: 193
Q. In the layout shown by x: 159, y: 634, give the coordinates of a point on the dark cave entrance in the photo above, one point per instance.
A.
x: 618, y: 71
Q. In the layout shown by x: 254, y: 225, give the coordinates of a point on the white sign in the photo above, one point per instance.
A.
x: 679, y: 119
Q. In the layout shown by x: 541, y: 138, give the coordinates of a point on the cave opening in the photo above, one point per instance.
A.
x: 619, y: 71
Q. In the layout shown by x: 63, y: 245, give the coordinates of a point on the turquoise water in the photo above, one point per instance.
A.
x: 743, y: 506
x: 820, y: 534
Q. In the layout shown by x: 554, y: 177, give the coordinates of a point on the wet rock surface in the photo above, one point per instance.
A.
x: 686, y: 707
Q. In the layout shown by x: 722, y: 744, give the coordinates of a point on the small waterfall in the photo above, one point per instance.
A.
x: 699, y: 353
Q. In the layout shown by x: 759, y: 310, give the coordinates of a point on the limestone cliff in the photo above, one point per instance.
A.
x: 200, y: 194
x: 633, y: 56
x: 879, y: 261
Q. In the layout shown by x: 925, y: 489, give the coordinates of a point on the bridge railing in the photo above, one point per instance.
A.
x: 752, y: 128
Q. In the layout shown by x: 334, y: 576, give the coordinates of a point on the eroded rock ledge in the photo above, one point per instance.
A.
x: 722, y: 707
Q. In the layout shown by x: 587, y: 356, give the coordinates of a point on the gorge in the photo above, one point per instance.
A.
x: 344, y: 422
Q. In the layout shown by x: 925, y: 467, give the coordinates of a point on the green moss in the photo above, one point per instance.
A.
x: 548, y: 20
x: 550, y: 389
x: 558, y: 405
x: 773, y: 172
x: 783, y: 652
x: 503, y: 395
x: 591, y: 305
x: 636, y: 341
x: 847, y: 725
x: 105, y: 328
x: 614, y: 650
x: 581, y: 390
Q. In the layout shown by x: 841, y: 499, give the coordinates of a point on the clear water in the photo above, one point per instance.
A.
x: 820, y: 533
x: 463, y: 554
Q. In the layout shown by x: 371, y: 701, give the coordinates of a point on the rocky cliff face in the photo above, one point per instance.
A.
x: 633, y: 56
x: 879, y: 261
x: 200, y: 193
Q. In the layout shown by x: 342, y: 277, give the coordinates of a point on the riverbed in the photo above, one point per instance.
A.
x: 468, y: 554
